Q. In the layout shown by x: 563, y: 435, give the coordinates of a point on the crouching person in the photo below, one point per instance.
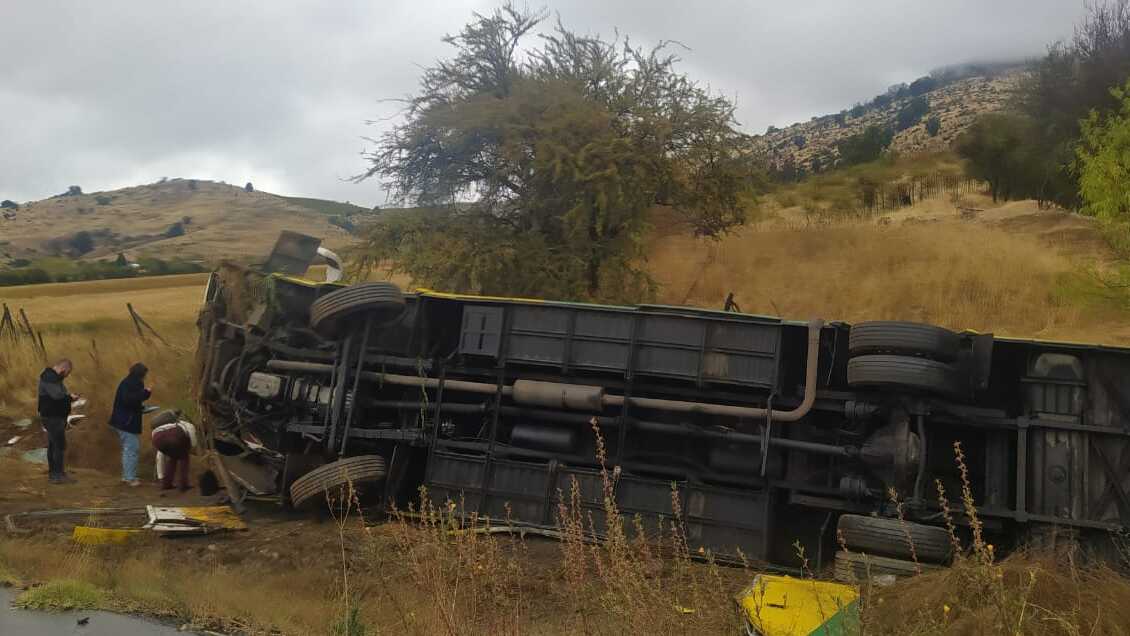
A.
x: 174, y: 439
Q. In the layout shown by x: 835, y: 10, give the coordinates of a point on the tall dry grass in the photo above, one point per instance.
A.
x: 960, y: 276
x: 1045, y: 592
x: 89, y: 324
x: 629, y: 581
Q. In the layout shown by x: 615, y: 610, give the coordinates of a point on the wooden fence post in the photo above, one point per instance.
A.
x: 139, y: 322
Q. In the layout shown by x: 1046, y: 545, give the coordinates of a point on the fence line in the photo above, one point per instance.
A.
x: 876, y: 198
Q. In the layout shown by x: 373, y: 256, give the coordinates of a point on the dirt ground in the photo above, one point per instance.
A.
x: 284, y: 575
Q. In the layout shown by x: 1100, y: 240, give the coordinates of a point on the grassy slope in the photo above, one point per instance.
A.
x: 1013, y: 269
x: 225, y: 222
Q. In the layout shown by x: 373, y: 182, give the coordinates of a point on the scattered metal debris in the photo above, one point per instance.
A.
x: 159, y: 519
x: 193, y: 520
x: 10, y: 520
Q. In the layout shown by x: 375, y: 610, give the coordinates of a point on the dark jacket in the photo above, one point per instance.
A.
x: 54, y: 399
x: 128, y: 403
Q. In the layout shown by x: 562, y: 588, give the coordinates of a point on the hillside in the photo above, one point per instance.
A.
x: 960, y: 261
x: 956, y: 104
x: 218, y: 221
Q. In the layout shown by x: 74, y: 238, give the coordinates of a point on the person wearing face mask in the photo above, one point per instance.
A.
x: 54, y: 407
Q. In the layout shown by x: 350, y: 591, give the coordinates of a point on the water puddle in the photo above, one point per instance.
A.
x: 14, y: 621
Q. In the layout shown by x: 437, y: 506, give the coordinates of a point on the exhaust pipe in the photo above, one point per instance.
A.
x: 587, y: 398
x: 812, y: 365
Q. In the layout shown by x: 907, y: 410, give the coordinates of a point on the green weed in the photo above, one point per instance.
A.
x: 61, y: 595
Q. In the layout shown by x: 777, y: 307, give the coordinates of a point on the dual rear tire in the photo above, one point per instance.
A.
x: 906, y: 356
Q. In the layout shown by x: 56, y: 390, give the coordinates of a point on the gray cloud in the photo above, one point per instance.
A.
x: 113, y: 93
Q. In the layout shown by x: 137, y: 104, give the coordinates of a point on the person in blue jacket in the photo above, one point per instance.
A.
x: 129, y: 402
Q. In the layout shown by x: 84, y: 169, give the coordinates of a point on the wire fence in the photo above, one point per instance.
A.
x: 876, y: 198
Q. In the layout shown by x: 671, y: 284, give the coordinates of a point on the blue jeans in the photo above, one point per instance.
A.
x: 130, y: 444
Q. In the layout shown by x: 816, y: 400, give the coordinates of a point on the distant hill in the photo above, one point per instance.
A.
x: 175, y: 219
x: 956, y: 96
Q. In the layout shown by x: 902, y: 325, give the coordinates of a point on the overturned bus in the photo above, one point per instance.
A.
x: 768, y: 431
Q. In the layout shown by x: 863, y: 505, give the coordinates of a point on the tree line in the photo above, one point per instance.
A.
x: 1063, y: 140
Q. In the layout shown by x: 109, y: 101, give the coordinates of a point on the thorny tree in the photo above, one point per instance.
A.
x: 534, y: 172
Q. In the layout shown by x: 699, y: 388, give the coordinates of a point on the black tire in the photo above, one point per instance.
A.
x: 383, y: 301
x: 359, y: 470
x: 295, y: 465
x: 888, y: 537
x: 905, y: 372
x: 903, y: 338
x: 855, y: 567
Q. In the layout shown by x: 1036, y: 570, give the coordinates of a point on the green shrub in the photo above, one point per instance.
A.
x: 933, y: 126
x: 912, y: 113
x: 24, y: 276
x: 865, y: 146
x: 62, y: 595
x: 82, y: 242
x: 103, y: 199
x: 922, y: 85
x: 344, y: 222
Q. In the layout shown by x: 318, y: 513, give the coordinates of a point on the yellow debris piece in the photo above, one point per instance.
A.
x: 193, y: 519
x: 216, y: 517
x: 103, y: 536
x: 785, y: 606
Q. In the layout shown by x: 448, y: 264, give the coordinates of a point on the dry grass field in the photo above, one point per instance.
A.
x: 1015, y: 270
x: 88, y: 322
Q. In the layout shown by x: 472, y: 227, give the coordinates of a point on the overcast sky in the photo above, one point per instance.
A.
x: 110, y: 93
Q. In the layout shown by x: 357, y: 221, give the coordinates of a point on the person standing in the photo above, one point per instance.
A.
x: 54, y: 407
x: 174, y: 438
x: 129, y: 402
